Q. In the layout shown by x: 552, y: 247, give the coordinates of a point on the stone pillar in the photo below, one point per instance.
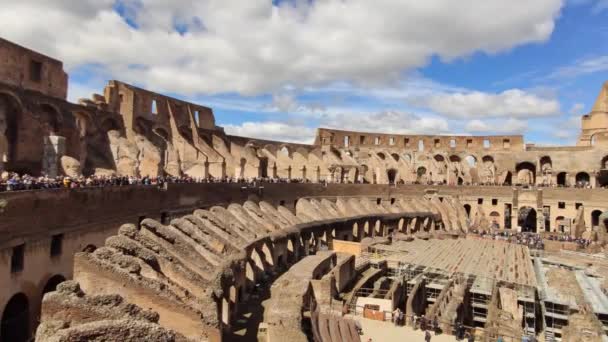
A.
x: 54, y: 149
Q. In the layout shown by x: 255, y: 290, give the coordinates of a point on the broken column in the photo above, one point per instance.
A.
x: 54, y: 149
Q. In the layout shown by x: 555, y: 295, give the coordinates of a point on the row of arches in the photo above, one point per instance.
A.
x: 16, y: 320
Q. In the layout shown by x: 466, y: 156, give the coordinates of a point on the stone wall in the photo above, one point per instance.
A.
x: 31, y: 70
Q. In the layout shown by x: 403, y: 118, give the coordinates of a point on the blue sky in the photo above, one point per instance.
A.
x: 279, y: 69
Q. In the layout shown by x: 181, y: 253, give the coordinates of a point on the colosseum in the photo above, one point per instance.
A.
x: 356, y: 237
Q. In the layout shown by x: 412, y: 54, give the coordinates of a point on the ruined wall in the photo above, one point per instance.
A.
x: 31, y: 70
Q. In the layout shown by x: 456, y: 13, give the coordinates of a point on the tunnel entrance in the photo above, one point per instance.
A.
x: 527, y: 219
x: 15, y: 320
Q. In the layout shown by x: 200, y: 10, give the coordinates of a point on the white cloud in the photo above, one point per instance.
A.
x: 272, y: 130
x: 253, y: 47
x: 509, y: 126
x: 387, y: 122
x: 583, y: 66
x: 514, y: 103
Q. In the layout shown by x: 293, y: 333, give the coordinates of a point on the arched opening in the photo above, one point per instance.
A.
x: 263, y: 168
x: 268, y: 254
x: 559, y: 224
x: 582, y: 179
x: 395, y: 156
x: 471, y: 161
x: 455, y: 159
x: 494, y: 220
x: 595, y: 218
x: 242, y: 166
x: 381, y: 155
x: 407, y: 158
x: 51, y: 284
x: 421, y: 174
x: 9, y: 111
x: 526, y: 173
x: 50, y: 119
x: 15, y: 320
x: 546, y: 170
x: 604, y: 163
x: 392, y: 176
x: 467, y: 208
x: 284, y: 151
x: 460, y: 181
x: 110, y: 125
x: 439, y: 158
x: 527, y: 219
x: 561, y: 179
x: 508, y: 178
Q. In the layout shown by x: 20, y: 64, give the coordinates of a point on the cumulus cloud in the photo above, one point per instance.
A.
x: 509, y: 126
x: 510, y: 103
x: 253, y: 47
x: 273, y: 130
x: 387, y: 122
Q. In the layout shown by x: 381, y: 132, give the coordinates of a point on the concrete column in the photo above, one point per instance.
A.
x: 54, y: 149
x: 514, y: 219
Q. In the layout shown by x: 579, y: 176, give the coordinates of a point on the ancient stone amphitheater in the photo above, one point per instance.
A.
x: 502, y: 238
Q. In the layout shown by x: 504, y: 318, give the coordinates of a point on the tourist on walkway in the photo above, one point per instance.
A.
x: 427, y: 336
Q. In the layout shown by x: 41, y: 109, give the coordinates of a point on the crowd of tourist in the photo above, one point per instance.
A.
x: 16, y: 182
x: 532, y: 240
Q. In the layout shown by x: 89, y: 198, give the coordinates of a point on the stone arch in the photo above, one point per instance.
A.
x: 285, y: 151
x: 242, y: 166
x: 257, y: 260
x: 395, y: 156
x: 50, y: 119
x: 401, y: 224
x: 455, y: 159
x: 161, y: 132
x: 494, y: 219
x: 471, y: 161
x: 83, y: 120
x: 421, y: 174
x: 381, y: 155
x: 16, y: 320
x: 562, y: 179
x: 487, y: 159
x: 595, y: 218
x: 263, y: 167
x: 558, y: 226
x: 366, y: 229
x: 546, y: 162
x: 10, y: 110
x: 392, y: 176
x: 527, y: 219
x: 109, y: 124
x: 467, y: 209
x: 51, y: 284
x: 526, y: 173
x: 508, y: 178
x: 407, y: 158
x: 268, y: 254
x: 439, y: 158
x: 604, y: 163
x: 355, y: 232
x: 583, y: 179
x: 378, y: 228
